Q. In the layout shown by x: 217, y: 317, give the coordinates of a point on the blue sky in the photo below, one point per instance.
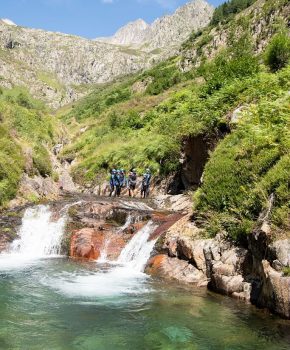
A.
x: 87, y: 18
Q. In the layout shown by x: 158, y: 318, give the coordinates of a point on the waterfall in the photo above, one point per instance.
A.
x: 39, y: 235
x: 137, y: 251
x: 104, y: 249
x: 124, y: 277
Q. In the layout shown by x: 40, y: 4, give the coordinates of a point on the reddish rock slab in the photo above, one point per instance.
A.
x: 86, y: 244
x: 166, y: 222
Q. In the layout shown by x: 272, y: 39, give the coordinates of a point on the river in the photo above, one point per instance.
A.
x: 51, y: 302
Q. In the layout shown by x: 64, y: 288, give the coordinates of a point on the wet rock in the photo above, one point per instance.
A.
x: 275, y: 291
x: 86, y: 243
x: 95, y: 226
x: 174, y: 268
x: 175, y: 203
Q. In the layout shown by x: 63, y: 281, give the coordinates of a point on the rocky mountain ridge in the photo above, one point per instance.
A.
x: 168, y: 30
x: 60, y: 68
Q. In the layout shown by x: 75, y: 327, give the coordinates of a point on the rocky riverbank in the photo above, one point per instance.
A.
x: 256, y: 272
x: 100, y: 227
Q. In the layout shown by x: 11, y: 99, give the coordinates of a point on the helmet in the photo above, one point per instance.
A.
x: 122, y: 170
x: 148, y: 170
x: 114, y: 170
x: 118, y: 171
x: 134, y: 170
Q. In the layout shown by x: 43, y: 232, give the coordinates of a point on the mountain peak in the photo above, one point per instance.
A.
x: 132, y: 33
x: 164, y: 31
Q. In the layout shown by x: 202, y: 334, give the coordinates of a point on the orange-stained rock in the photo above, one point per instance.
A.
x: 86, y: 243
x: 176, y: 269
x: 116, y: 243
x: 154, y: 265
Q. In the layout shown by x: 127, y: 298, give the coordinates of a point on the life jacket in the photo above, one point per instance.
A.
x: 117, y: 180
x: 144, y: 181
x: 133, y: 178
x: 122, y: 179
x: 112, y: 179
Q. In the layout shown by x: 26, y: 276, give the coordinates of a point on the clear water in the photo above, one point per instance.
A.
x: 54, y: 303
x: 60, y: 304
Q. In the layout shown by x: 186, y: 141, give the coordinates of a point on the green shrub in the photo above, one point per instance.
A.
x: 11, y: 166
x: 247, y: 167
x: 41, y: 160
x: 227, y: 66
x: 286, y: 271
x: 278, y: 51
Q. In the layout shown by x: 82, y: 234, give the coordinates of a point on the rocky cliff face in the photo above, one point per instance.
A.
x: 166, y: 31
x: 132, y: 33
x: 59, y: 68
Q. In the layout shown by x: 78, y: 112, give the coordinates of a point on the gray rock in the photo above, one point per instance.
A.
x: 169, y: 30
x: 281, y: 251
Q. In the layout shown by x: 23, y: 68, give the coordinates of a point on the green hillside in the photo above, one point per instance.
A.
x: 26, y: 131
x: 142, y: 121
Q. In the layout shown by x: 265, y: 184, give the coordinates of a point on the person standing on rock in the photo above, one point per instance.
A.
x: 145, y: 184
x: 132, y: 181
x: 118, y: 183
x: 122, y: 178
x: 112, y: 182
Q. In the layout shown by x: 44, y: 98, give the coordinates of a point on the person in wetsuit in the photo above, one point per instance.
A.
x: 132, y: 182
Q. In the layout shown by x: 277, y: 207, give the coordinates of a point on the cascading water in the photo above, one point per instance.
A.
x: 39, y: 235
x: 104, y: 250
x: 137, y: 251
x: 127, y: 278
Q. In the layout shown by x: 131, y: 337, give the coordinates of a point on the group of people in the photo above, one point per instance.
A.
x: 119, y: 181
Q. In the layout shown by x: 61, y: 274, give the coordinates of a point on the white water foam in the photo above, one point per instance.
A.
x: 137, y: 251
x: 40, y: 237
x: 125, y: 278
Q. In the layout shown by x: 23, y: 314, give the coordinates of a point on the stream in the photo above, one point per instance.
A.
x: 51, y: 302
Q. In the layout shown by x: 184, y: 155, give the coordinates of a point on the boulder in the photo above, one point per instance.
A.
x: 174, y: 268
x: 275, y: 291
x: 280, y: 250
x: 86, y: 243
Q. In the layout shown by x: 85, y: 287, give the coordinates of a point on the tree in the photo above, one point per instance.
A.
x: 278, y: 51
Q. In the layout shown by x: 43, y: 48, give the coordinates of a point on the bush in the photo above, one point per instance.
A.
x: 278, y: 51
x: 229, y: 65
x: 11, y: 166
x: 41, y: 160
x: 247, y: 167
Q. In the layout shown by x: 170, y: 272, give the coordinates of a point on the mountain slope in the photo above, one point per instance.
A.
x: 59, y: 68
x: 174, y: 122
